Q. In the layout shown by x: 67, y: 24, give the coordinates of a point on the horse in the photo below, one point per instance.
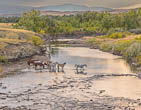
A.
x: 47, y: 63
x: 81, y: 67
x: 31, y: 61
x: 52, y: 67
x: 62, y: 66
x: 39, y: 63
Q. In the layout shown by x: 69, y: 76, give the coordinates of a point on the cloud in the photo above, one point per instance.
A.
x: 104, y: 3
x: 10, y: 6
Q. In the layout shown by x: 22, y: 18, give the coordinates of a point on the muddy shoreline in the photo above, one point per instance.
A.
x: 67, y: 94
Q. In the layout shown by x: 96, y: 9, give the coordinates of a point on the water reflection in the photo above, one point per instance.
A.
x: 97, y: 61
x: 81, y: 72
x: 129, y: 87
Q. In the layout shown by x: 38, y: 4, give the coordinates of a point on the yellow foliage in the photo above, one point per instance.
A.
x: 42, y: 32
x: 117, y: 35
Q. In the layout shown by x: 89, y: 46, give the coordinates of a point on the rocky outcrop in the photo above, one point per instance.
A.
x: 22, y: 50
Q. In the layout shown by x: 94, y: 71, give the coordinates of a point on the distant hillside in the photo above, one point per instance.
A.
x: 72, y: 7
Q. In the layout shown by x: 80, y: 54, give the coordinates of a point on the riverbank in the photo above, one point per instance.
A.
x: 16, y: 44
x: 128, y: 47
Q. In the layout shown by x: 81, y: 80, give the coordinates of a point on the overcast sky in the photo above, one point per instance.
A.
x: 17, y: 6
x: 104, y: 3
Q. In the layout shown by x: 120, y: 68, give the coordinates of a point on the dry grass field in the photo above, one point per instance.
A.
x: 6, y: 25
x: 8, y: 35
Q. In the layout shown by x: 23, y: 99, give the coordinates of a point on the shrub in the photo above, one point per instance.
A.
x: 117, y: 35
x: 37, y: 41
x: 133, y: 51
x: 120, y: 47
x: 3, y: 59
x: 111, y: 31
x: 106, y: 47
x: 138, y: 38
x: 95, y: 41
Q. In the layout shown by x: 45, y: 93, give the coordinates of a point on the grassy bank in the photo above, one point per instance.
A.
x: 128, y: 46
x: 17, y: 42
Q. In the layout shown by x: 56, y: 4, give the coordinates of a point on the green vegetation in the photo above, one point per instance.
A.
x: 9, y: 19
x: 37, y: 41
x: 117, y: 35
x: 86, y: 23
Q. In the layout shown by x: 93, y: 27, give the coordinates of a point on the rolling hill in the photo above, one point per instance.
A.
x: 71, y: 7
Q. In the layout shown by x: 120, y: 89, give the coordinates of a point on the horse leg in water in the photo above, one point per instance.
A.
x: 36, y: 66
x: 58, y: 68
x: 28, y: 63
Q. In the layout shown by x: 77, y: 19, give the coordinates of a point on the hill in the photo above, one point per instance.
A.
x: 71, y: 7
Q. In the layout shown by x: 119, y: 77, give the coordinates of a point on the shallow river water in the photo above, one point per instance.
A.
x: 107, y: 83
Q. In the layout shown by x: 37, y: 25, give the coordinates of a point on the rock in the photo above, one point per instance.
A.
x: 4, y: 87
x: 22, y: 50
x: 101, y: 91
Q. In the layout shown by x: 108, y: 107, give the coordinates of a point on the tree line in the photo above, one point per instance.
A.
x: 88, y: 22
x: 9, y: 19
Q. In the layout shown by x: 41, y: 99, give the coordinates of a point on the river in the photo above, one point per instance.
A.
x: 107, y: 83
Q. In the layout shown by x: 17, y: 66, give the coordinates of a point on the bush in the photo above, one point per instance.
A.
x: 120, y: 47
x: 3, y: 59
x: 117, y: 35
x: 37, y: 41
x: 133, y: 51
x: 138, y: 38
x: 106, y: 47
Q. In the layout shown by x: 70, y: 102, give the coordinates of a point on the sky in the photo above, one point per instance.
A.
x: 104, y: 3
x: 12, y: 5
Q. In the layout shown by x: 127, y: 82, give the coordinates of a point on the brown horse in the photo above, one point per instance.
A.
x: 40, y: 64
x: 31, y: 61
x: 47, y: 63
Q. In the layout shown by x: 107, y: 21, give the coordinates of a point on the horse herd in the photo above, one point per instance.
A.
x: 52, y: 66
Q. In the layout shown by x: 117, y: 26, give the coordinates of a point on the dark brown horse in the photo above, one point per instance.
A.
x: 40, y: 64
x: 31, y: 61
